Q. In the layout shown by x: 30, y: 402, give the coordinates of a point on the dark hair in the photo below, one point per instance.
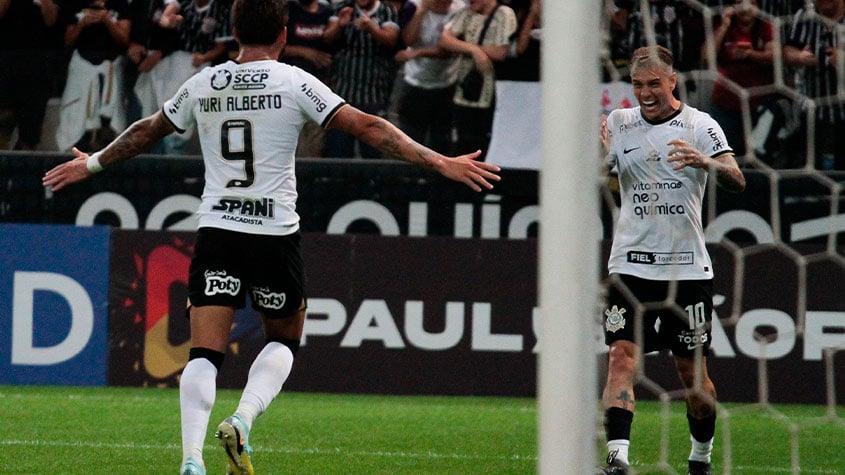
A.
x: 647, y: 55
x: 259, y: 22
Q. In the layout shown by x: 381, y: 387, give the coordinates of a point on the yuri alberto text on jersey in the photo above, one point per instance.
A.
x: 240, y: 103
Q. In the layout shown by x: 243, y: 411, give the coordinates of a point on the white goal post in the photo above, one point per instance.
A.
x: 569, y: 237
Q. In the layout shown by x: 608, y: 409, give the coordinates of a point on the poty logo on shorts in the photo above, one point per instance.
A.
x: 266, y: 299
x: 217, y: 282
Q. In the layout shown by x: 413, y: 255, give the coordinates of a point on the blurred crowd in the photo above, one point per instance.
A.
x: 74, y: 73
x: 77, y: 72
x: 766, y: 70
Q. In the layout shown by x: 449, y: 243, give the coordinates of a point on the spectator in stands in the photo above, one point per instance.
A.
x: 744, y: 45
x: 366, y: 35
x: 528, y: 40
x: 814, y: 47
x: 784, y: 9
x: 202, y: 34
x: 28, y: 48
x: 93, y: 111
x: 480, y: 33
x: 397, y: 5
x: 523, y: 60
x: 425, y: 105
x: 307, y: 48
x: 617, y: 32
x: 775, y: 8
x: 677, y: 26
x: 148, y: 42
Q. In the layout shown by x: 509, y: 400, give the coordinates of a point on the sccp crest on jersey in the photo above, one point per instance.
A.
x: 221, y: 79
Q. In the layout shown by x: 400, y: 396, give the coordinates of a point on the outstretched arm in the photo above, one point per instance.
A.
x: 139, y: 137
x: 394, y: 143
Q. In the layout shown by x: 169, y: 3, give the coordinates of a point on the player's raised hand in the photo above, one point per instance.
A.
x: 469, y: 171
x: 69, y: 172
x: 604, y: 136
x: 685, y: 155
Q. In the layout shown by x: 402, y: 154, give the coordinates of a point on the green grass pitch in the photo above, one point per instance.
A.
x: 72, y: 430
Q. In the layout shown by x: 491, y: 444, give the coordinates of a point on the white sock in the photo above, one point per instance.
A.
x: 266, y: 375
x: 619, y: 449
x: 700, y: 451
x: 197, y: 390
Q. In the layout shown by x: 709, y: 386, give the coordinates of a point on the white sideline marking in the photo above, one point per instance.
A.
x: 258, y: 448
x: 335, y: 451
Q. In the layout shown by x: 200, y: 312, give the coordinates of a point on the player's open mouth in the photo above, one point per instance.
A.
x: 649, y: 107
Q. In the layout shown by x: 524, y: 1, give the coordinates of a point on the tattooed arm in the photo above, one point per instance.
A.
x: 138, y: 138
x: 394, y: 143
x: 728, y: 174
x: 724, y: 166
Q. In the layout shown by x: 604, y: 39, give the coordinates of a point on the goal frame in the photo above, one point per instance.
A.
x: 569, y: 237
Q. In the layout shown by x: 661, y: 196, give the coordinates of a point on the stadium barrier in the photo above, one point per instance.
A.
x: 396, y: 303
x: 391, y: 199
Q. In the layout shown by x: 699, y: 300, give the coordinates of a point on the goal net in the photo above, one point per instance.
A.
x: 779, y: 293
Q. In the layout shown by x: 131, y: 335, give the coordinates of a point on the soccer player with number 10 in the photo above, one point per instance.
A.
x: 663, y: 152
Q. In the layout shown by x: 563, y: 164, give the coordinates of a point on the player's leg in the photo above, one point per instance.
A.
x: 276, y: 278
x: 215, y: 291
x: 691, y: 337
x: 267, y: 374
x: 623, y: 361
x: 701, y: 411
x: 198, y: 386
x: 618, y: 401
x: 272, y: 366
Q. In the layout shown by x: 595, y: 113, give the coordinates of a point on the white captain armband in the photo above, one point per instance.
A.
x: 93, y: 163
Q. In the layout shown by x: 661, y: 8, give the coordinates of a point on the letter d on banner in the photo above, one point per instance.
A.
x: 24, y: 351
x: 54, y: 283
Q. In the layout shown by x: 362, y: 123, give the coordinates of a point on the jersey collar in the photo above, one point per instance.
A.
x: 667, y: 119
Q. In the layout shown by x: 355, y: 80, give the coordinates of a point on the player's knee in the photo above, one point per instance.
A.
x: 701, y: 405
x: 622, y: 358
x: 213, y: 356
x: 293, y: 345
x: 700, y: 398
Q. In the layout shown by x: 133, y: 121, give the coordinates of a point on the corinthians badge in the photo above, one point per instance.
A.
x: 615, y: 319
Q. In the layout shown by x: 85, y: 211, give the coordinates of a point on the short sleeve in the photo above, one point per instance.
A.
x: 710, y: 138
x: 610, y: 159
x: 314, y: 98
x: 179, y: 109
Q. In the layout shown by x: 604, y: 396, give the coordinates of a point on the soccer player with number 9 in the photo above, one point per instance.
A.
x: 249, y: 113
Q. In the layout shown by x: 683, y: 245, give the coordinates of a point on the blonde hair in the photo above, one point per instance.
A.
x: 649, y: 56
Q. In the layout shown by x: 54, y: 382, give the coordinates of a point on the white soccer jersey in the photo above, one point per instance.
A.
x: 659, y: 235
x: 249, y: 117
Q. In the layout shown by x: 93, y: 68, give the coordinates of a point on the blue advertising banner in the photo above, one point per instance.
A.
x: 53, y: 304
